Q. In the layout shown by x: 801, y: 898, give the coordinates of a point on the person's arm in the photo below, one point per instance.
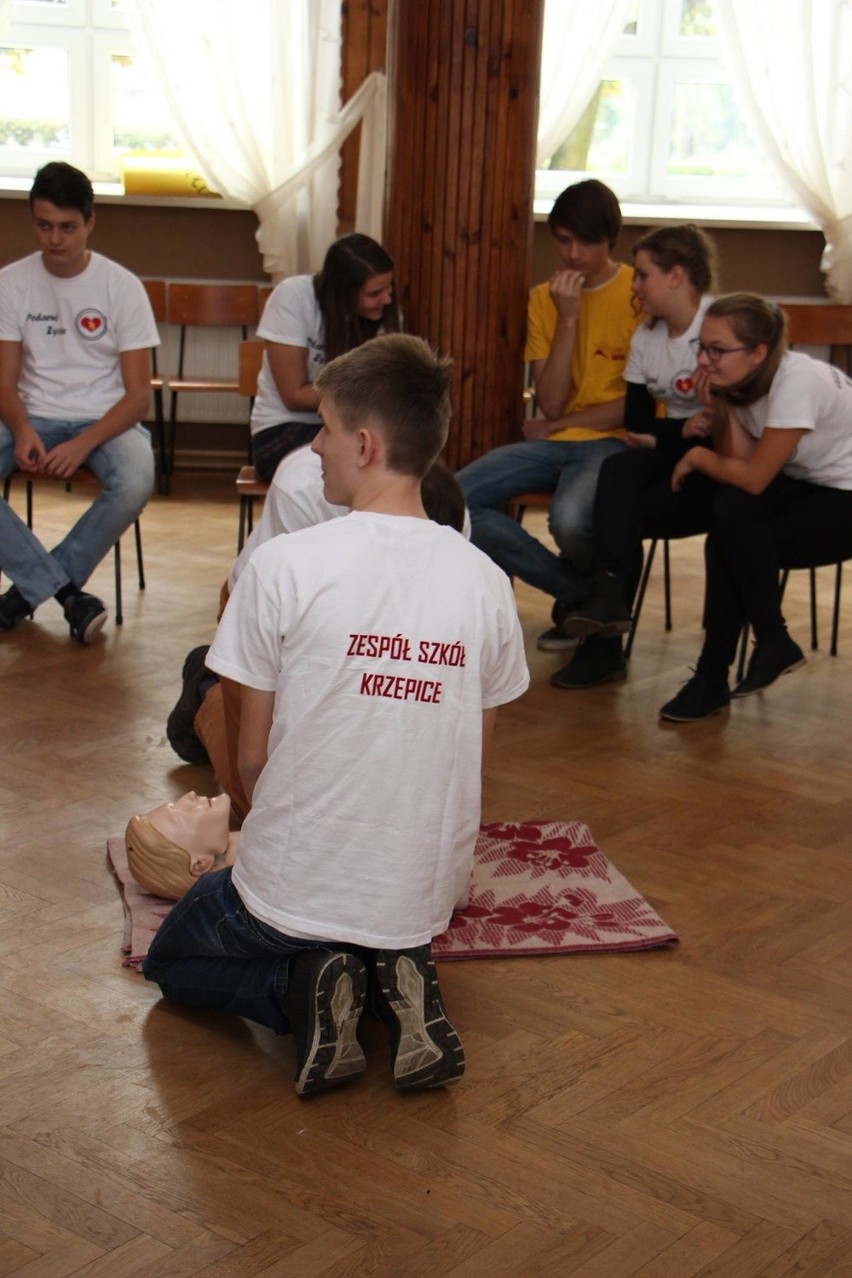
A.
x: 489, y: 718
x: 63, y: 460
x: 256, y: 709
x: 289, y: 368
x: 753, y: 472
x: 552, y: 376
x: 603, y: 417
x: 29, y: 450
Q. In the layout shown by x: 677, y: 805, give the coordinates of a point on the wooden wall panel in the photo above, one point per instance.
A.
x: 463, y: 100
x: 364, y: 50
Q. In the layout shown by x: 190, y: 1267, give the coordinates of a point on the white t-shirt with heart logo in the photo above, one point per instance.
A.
x: 666, y: 364
x: 72, y: 332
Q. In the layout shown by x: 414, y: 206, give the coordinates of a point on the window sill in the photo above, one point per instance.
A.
x: 113, y: 193
x: 751, y: 217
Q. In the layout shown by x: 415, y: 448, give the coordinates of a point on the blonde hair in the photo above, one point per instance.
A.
x: 156, y: 863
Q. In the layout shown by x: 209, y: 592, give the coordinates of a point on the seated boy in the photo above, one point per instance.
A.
x: 579, y: 326
x: 75, y: 335
x: 373, y: 651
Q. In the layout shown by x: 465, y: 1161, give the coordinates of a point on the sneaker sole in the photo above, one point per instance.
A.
x: 615, y: 676
x: 425, y: 1048
x: 334, y: 1055
x: 583, y: 627
x: 183, y: 740
x: 740, y: 692
x: 557, y: 645
x: 92, y: 628
x: 691, y: 718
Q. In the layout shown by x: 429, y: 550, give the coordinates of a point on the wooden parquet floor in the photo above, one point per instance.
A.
x: 651, y: 1115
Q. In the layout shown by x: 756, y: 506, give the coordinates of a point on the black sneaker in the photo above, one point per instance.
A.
x: 598, y: 660
x: 324, y: 1000
x: 13, y: 609
x: 179, y: 725
x: 425, y: 1048
x: 698, y: 699
x: 85, y: 615
x: 553, y: 640
x: 768, y: 662
x: 605, y: 613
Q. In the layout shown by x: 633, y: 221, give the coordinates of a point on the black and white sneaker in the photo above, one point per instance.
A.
x: 324, y: 1000
x: 86, y: 615
x: 180, y: 728
x: 13, y: 609
x: 553, y: 640
x: 425, y: 1049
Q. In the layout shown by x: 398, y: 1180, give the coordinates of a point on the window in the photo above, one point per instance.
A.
x: 72, y: 88
x: 664, y: 125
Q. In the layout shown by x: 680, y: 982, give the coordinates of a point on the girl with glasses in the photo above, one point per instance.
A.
x: 782, y: 422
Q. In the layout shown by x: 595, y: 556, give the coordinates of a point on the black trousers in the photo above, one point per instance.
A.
x: 791, y: 524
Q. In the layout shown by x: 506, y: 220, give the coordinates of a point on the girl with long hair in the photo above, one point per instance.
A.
x: 308, y: 321
x: 783, y: 459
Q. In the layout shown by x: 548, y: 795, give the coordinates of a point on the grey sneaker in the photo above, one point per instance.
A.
x: 425, y: 1048
x: 324, y: 1000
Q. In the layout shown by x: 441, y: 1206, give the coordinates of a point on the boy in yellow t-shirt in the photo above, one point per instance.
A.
x: 579, y: 326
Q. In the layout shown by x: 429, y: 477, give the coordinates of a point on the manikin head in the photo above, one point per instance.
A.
x: 172, y: 845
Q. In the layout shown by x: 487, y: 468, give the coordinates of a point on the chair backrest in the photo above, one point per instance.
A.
x: 221, y: 305
x: 156, y: 290
x: 263, y: 294
x: 251, y: 358
x: 822, y: 324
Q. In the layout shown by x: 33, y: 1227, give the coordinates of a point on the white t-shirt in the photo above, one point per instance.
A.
x: 666, y: 365
x: 291, y: 316
x: 383, y: 638
x: 72, y: 333
x: 808, y: 394
x: 295, y: 500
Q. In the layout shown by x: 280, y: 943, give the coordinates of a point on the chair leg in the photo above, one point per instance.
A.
x: 160, y: 423
x: 835, y: 619
x: 170, y: 445
x: 741, y: 661
x: 140, y: 566
x: 241, y: 528
x: 640, y: 596
x: 814, y: 635
x: 667, y: 583
x: 119, y: 615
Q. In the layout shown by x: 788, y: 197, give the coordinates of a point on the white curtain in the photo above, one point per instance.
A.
x: 578, y: 36
x: 793, y: 63
x: 254, y: 88
x: 5, y: 15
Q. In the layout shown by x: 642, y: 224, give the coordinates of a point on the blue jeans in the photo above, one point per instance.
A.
x: 123, y: 466
x: 566, y: 468
x: 211, y: 953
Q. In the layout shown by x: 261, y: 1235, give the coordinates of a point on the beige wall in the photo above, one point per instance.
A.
x: 777, y: 263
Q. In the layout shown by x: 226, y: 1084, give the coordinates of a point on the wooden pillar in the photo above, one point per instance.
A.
x: 463, y: 105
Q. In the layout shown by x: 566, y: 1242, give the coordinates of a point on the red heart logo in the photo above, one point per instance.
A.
x: 683, y: 384
x: 90, y: 323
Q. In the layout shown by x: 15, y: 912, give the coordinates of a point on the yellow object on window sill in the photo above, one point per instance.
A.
x: 163, y: 175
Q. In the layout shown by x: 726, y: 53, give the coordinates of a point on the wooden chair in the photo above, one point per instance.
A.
x: 198, y: 306
x: 156, y: 290
x: 82, y: 477
x: 249, y: 486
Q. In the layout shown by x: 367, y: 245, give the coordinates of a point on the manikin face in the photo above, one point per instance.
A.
x: 591, y: 260
x: 193, y: 822
x: 653, y: 287
x: 338, y: 450
x: 376, y: 293
x: 722, y: 354
x: 61, y: 235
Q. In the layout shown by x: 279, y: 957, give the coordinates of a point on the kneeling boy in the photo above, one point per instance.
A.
x: 373, y: 651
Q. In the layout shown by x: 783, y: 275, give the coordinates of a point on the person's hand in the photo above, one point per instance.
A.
x: 684, y: 467
x: 701, y: 385
x: 636, y: 440
x: 65, y: 459
x: 698, y: 425
x: 566, y: 289
x: 29, y: 450
x: 537, y: 427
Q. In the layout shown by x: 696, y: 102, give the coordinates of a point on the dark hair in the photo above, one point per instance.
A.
x: 66, y: 187
x: 443, y: 499
x: 588, y: 210
x: 348, y: 264
x: 755, y: 322
x: 400, y: 384
x: 687, y: 246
